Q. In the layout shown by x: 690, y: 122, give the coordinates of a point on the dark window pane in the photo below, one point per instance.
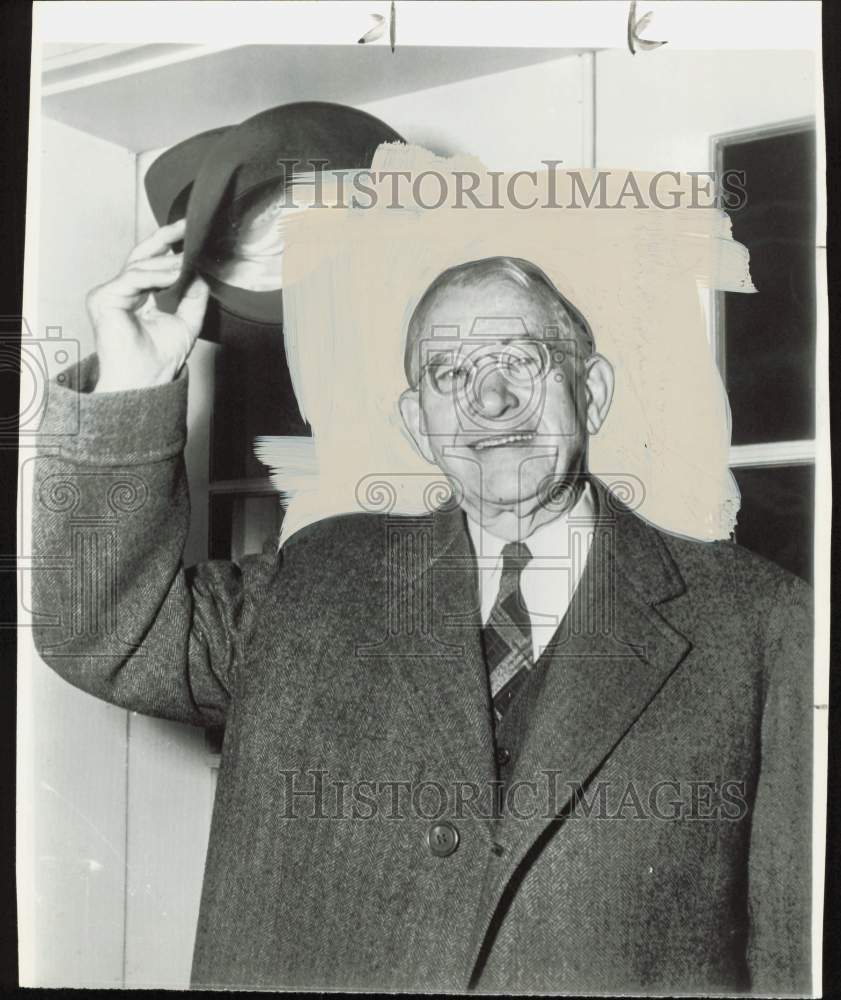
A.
x: 777, y: 515
x: 769, y: 338
x: 214, y: 738
x: 253, y: 395
x: 241, y: 525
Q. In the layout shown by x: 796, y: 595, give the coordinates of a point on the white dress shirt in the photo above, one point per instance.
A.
x: 559, y: 549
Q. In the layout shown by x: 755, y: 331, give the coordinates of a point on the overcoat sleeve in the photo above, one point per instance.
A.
x: 779, y: 875
x: 115, y: 612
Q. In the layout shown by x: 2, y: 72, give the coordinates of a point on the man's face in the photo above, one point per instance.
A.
x: 502, y: 403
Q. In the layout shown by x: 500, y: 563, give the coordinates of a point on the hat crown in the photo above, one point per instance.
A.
x: 212, y: 171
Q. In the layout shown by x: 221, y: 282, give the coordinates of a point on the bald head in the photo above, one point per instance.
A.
x: 462, y: 297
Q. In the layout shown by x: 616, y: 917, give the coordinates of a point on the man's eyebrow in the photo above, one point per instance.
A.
x: 443, y: 355
x: 462, y: 347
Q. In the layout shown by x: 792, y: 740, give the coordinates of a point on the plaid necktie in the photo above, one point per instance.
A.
x: 507, y: 635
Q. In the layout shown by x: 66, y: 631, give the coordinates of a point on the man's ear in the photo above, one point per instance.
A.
x: 599, y: 382
x: 410, y: 411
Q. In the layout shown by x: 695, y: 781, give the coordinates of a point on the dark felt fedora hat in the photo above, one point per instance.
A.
x: 211, y: 174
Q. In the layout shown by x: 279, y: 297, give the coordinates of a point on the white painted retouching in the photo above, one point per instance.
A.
x: 633, y: 265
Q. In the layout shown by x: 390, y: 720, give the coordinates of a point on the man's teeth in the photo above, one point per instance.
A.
x: 498, y: 442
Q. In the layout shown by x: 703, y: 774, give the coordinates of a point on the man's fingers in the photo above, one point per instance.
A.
x: 159, y: 242
x: 192, y: 306
x: 165, y: 263
x: 126, y: 287
x: 140, y: 279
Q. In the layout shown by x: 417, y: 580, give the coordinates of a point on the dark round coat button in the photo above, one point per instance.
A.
x: 442, y: 839
x: 503, y: 756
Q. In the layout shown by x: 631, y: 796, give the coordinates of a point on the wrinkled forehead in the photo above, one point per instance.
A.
x: 498, y: 309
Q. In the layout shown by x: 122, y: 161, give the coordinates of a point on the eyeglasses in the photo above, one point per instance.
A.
x: 520, y: 362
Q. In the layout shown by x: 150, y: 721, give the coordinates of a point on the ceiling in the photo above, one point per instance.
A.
x: 146, y: 108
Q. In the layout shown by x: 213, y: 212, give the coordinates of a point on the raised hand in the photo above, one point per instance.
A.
x: 138, y: 345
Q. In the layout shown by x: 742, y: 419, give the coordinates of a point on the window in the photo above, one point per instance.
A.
x: 765, y: 343
x: 253, y: 395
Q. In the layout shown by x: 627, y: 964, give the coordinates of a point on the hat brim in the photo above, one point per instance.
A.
x: 231, y: 163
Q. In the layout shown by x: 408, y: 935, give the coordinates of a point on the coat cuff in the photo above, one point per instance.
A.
x: 128, y: 427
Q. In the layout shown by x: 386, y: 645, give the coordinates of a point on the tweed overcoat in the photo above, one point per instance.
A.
x: 660, y: 839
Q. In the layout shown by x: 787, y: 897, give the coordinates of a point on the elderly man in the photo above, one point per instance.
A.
x: 580, y: 762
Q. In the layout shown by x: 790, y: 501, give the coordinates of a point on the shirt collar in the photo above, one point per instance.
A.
x: 547, y: 541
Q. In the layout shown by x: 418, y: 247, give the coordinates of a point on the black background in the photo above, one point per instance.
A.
x: 15, y: 40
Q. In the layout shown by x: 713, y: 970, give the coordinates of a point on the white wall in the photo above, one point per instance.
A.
x: 658, y: 110
x: 85, y: 230
x: 72, y: 748
x: 511, y: 120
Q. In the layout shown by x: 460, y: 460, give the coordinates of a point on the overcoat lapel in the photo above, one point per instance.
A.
x: 611, y: 655
x: 436, y: 648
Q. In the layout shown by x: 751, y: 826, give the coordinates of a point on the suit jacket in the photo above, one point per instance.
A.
x: 662, y: 845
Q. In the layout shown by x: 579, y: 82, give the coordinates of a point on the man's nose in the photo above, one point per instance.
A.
x: 494, y: 396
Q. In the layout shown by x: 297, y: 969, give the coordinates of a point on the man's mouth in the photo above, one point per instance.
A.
x: 503, y: 441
